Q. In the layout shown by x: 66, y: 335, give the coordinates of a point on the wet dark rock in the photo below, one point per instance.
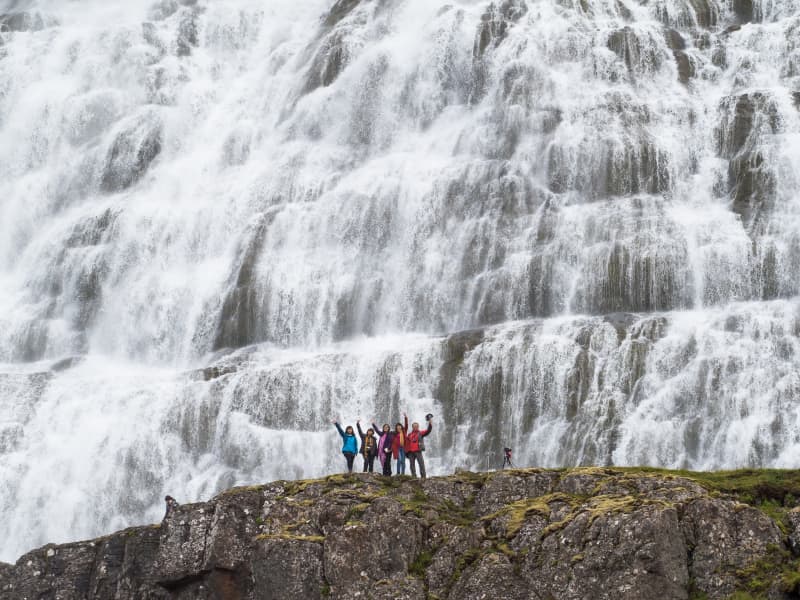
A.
x: 331, y: 55
x: 574, y: 534
x: 328, y: 63
x: 677, y: 44
x: 92, y: 230
x: 455, y: 347
x: 21, y: 21
x: 621, y: 322
x: 495, y: 24
x: 689, y: 14
x: 242, y: 307
x: 339, y: 11
x: 612, y: 166
x: 754, y: 186
x: 215, y: 372
x: 638, y: 50
x: 132, y: 152
x: 492, y: 30
x: 731, y: 29
x: 624, y: 11
x: 743, y: 9
x: 32, y: 341
x: 66, y: 363
x: 705, y: 11
x: 719, y: 56
x: 685, y: 66
x: 625, y: 44
x: 674, y: 39
x: 614, y: 170
x: 747, y: 119
x: 187, y: 32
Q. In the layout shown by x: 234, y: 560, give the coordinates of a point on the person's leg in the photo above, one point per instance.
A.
x: 371, y: 463
x: 421, y: 459
x: 350, y: 458
x: 366, y: 460
x: 412, y: 460
x: 387, y: 465
x: 401, y: 462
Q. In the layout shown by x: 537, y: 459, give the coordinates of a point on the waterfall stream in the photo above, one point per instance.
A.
x: 571, y: 227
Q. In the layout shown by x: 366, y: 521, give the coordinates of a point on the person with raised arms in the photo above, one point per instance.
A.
x: 349, y: 444
x: 369, y: 446
x: 385, y: 447
x: 415, y: 444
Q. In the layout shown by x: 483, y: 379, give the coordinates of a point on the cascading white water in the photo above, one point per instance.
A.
x: 567, y: 226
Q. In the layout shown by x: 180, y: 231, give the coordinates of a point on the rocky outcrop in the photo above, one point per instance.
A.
x: 495, y: 23
x: 568, y: 534
x: 492, y: 30
x: 748, y: 121
x: 332, y: 54
x: 134, y: 148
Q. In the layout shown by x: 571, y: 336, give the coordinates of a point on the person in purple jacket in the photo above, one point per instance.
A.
x: 385, y: 447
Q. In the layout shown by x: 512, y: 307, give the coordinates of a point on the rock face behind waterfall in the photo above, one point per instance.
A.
x: 568, y: 534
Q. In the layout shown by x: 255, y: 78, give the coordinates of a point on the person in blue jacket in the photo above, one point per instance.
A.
x: 349, y: 446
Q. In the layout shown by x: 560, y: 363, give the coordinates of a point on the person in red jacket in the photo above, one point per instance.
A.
x: 415, y: 445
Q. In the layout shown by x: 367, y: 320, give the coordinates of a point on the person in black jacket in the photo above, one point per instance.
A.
x: 385, y: 447
x: 369, y: 447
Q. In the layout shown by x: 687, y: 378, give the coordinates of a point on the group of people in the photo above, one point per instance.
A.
x: 397, y: 445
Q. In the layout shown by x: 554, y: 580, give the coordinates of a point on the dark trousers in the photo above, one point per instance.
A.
x: 413, y: 457
x: 369, y: 461
x: 387, y: 464
x: 350, y: 457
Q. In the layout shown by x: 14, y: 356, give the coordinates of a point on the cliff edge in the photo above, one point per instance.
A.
x: 529, y: 533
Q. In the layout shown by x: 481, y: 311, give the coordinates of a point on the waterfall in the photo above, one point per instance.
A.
x: 571, y: 227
